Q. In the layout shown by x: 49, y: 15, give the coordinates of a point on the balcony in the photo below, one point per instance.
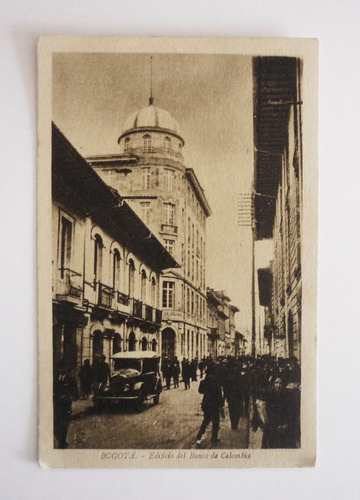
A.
x: 136, y: 309
x: 148, y: 313
x: 223, y: 311
x: 169, y: 229
x: 155, y: 150
x: 121, y: 298
x: 144, y: 315
x: 70, y: 286
x: 158, y: 316
x: 105, y: 296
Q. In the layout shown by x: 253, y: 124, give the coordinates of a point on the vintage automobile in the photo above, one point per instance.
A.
x: 135, y: 377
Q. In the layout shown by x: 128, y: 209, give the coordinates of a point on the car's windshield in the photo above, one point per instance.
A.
x: 135, y: 364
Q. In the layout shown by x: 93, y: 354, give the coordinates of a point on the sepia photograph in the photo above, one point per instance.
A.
x: 177, y: 252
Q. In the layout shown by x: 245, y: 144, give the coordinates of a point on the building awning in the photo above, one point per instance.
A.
x: 265, y: 287
x: 274, y: 93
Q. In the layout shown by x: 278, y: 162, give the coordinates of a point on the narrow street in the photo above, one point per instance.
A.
x: 173, y: 424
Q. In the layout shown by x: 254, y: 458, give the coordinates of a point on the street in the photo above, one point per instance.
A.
x: 172, y: 424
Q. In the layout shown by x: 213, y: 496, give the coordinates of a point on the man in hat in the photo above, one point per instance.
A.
x: 102, y: 374
x: 212, y: 405
x: 64, y: 393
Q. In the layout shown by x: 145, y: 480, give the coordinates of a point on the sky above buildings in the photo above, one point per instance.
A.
x: 210, y: 96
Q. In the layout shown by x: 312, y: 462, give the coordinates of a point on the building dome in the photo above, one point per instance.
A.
x: 151, y: 117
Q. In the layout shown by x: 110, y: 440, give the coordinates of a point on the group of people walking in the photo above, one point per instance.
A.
x: 172, y: 369
x: 263, y: 389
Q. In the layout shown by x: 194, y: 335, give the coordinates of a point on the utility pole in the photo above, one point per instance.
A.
x: 246, y: 218
x: 253, y: 325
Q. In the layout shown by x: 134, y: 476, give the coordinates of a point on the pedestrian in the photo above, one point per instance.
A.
x: 101, y: 375
x: 212, y: 405
x: 167, y: 371
x: 86, y: 376
x: 201, y: 368
x: 176, y: 371
x: 233, y: 392
x: 186, y: 374
x: 163, y: 367
x: 193, y: 369
x: 64, y: 393
x: 277, y: 424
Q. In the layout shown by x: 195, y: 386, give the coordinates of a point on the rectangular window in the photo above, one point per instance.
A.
x: 145, y: 212
x: 66, y: 227
x: 168, y: 294
x: 169, y: 214
x: 169, y: 245
x: 145, y: 178
x: 168, y: 179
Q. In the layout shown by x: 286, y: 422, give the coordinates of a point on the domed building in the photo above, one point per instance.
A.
x: 149, y: 172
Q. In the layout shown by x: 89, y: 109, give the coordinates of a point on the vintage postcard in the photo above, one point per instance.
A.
x: 177, y: 252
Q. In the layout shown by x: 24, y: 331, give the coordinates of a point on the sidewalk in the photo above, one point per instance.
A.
x: 81, y: 406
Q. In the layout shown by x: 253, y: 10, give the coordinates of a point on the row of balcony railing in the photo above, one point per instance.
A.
x: 145, y: 312
x: 169, y: 229
x: 138, y: 309
x: 152, y: 149
x: 109, y: 298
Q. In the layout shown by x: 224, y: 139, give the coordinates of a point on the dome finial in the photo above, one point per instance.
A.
x: 151, y: 99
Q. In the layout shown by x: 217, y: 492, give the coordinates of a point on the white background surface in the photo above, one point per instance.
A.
x: 336, y: 25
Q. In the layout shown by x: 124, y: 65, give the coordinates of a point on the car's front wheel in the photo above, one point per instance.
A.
x: 157, y: 397
x: 140, y: 402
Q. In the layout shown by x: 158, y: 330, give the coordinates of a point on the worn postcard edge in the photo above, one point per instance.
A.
x: 307, y: 49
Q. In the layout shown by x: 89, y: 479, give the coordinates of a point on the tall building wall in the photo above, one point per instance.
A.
x: 169, y: 199
x: 106, y: 267
x: 278, y: 180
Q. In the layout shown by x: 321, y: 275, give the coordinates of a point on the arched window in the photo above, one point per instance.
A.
x: 98, y: 250
x: 117, y: 343
x: 116, y: 270
x: 131, y: 278
x: 153, y: 292
x: 132, y: 341
x: 143, y: 286
x: 144, y: 344
x: 127, y: 144
x: 147, y: 143
x: 66, y: 245
x: 167, y: 144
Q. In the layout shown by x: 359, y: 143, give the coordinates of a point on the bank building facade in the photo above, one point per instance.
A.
x: 149, y: 172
